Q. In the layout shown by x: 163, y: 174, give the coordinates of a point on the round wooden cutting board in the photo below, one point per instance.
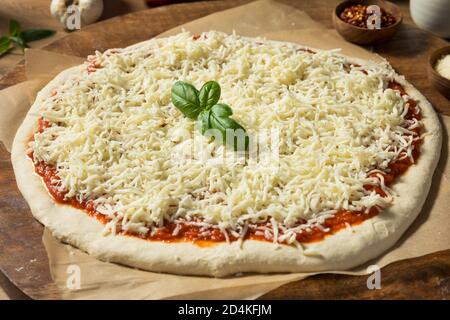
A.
x: 426, y: 277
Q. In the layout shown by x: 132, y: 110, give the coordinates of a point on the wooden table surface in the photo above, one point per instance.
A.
x: 426, y: 277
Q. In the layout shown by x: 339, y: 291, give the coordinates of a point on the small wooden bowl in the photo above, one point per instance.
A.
x: 439, y: 82
x: 366, y: 36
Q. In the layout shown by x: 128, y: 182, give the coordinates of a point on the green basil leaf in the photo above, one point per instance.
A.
x: 5, y: 45
x: 209, y: 94
x: 230, y: 129
x: 19, y: 41
x: 202, y: 105
x: 185, y: 98
x: 36, y: 34
x: 14, y: 28
x: 222, y: 110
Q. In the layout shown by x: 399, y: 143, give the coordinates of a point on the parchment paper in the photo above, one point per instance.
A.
x: 100, y: 280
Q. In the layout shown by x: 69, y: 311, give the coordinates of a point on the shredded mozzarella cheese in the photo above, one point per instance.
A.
x: 116, y: 138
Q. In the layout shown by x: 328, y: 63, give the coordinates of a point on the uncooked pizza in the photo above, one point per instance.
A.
x: 116, y: 158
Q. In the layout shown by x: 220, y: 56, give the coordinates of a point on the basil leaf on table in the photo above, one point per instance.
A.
x: 21, y: 38
x: 185, y: 98
x: 5, y: 45
x: 209, y: 94
x: 36, y: 34
x: 14, y: 28
x: 20, y: 42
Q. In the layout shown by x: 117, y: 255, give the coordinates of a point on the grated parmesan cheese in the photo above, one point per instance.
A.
x: 443, y: 66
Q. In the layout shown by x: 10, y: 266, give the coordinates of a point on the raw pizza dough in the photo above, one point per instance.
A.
x: 347, y: 248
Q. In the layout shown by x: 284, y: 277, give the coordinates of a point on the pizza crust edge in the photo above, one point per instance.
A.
x: 347, y: 248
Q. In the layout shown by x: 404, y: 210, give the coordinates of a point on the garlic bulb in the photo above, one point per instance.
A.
x: 66, y: 12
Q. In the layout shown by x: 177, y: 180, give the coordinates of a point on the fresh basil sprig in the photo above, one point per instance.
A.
x: 203, y: 105
x: 21, y: 37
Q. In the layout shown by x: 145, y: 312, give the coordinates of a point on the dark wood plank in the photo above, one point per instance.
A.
x: 23, y: 258
x: 426, y: 277
x: 20, y: 234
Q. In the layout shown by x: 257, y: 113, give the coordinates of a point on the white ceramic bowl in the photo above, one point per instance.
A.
x: 432, y: 15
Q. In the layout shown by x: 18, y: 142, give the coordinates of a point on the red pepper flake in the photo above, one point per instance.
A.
x: 358, y: 16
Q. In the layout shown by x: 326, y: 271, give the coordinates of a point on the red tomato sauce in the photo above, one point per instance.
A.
x: 193, y: 233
